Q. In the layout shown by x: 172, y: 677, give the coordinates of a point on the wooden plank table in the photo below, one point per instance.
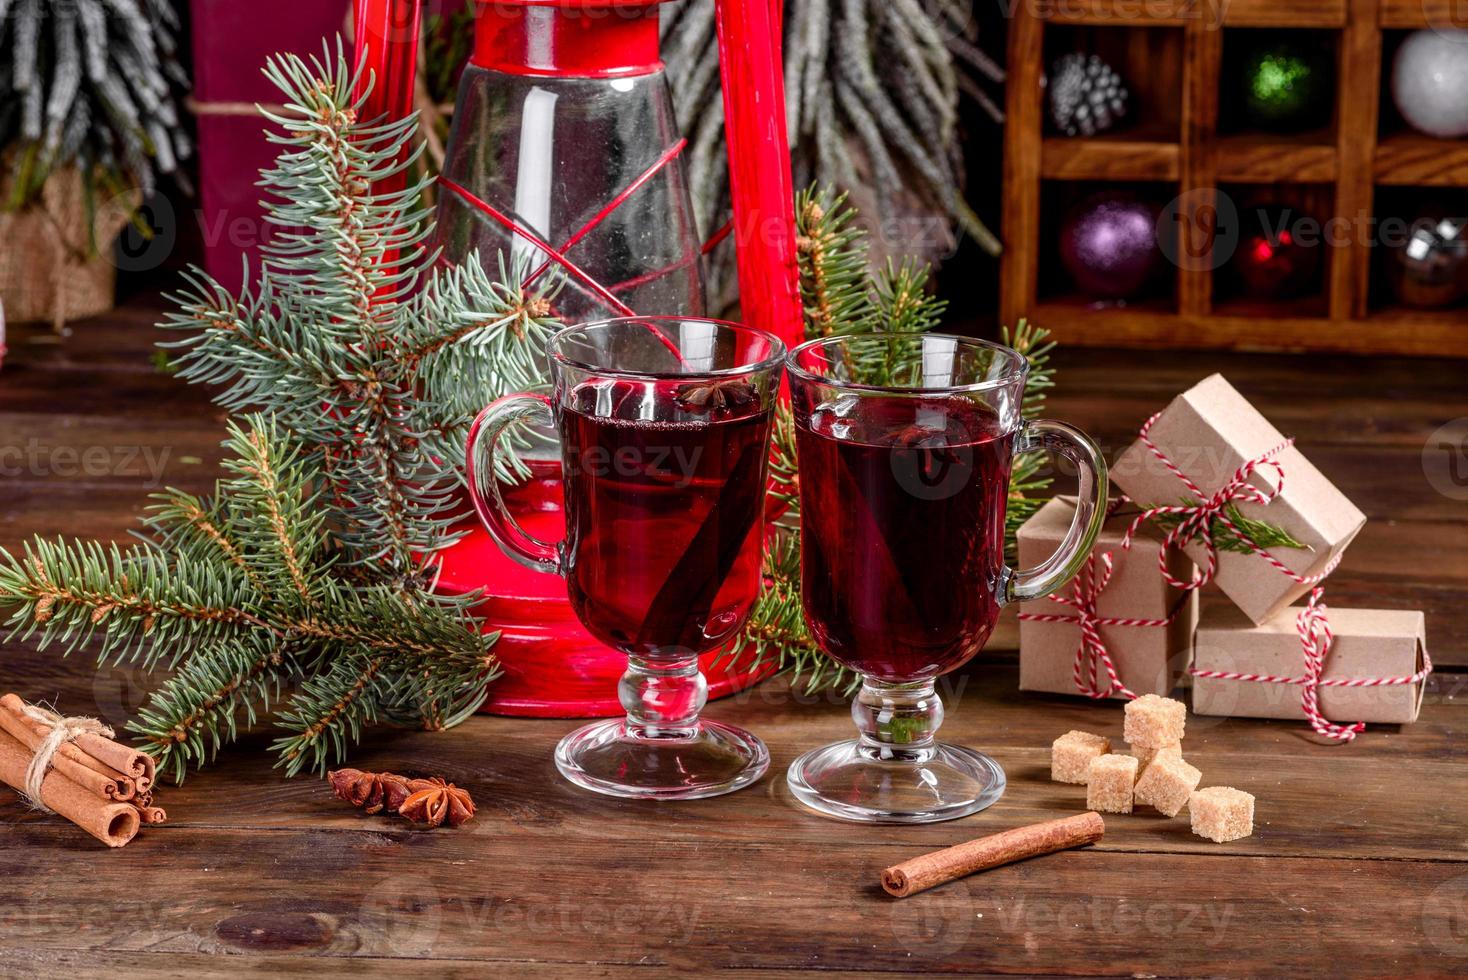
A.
x: 1358, y: 864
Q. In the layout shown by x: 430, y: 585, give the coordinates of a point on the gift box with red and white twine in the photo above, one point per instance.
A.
x: 1120, y: 629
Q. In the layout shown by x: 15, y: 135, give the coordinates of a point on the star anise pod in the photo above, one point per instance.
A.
x: 435, y: 802
x: 373, y: 792
x: 386, y: 792
x: 719, y: 396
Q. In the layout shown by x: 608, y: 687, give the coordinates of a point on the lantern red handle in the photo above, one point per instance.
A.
x: 761, y: 185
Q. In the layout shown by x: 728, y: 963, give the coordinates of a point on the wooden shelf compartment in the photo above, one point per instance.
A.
x: 1412, y: 14
x: 1249, y: 158
x: 1385, y: 332
x: 1418, y: 160
x: 1068, y: 158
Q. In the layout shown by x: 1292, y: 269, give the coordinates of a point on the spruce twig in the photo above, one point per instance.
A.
x: 353, y: 380
x: 1262, y: 533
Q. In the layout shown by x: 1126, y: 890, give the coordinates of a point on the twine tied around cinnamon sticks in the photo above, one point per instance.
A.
x: 70, y: 766
x: 59, y: 732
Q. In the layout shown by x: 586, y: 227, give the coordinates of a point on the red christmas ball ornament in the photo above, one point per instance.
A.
x: 1271, y: 262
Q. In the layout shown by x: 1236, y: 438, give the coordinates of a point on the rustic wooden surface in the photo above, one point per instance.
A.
x: 1358, y: 864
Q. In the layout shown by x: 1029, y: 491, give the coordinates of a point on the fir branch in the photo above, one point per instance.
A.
x: 784, y: 466
x: 197, y: 711
x: 1262, y: 533
x: 145, y: 606
x: 832, y: 258
x: 354, y: 372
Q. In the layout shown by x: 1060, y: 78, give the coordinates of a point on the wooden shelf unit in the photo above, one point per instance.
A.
x: 1346, y: 161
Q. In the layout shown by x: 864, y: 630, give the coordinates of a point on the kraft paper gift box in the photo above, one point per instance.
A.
x: 1149, y: 659
x: 1209, y: 432
x: 1368, y: 643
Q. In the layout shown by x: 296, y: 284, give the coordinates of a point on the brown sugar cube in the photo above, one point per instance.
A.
x: 1109, y: 783
x: 1152, y: 722
x: 1072, y: 752
x: 1221, y: 813
x: 1145, y: 757
x: 1166, y: 784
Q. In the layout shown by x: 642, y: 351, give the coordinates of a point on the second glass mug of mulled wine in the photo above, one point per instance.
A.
x: 664, y: 425
x: 905, y: 445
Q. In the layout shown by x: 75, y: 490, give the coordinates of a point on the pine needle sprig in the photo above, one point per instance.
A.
x: 1225, y: 538
x: 777, y: 630
x: 300, y: 589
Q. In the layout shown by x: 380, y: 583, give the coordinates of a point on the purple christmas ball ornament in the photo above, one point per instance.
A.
x: 1108, y: 245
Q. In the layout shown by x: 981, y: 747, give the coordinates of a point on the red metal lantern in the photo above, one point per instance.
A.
x: 565, y: 157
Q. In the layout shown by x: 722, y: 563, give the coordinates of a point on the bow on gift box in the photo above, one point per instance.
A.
x: 1196, y: 520
x: 1315, y: 639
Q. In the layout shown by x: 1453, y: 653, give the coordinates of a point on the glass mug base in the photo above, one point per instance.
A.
x: 607, y: 757
x: 876, y: 784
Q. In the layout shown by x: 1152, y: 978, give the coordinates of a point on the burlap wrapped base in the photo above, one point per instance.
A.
x: 48, y: 270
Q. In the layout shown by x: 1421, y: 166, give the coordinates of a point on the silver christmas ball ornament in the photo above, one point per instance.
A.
x: 1085, y: 95
x: 1430, y: 82
x: 1429, y: 269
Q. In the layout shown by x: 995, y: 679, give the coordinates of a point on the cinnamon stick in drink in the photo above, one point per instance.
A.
x: 940, y: 867
x: 114, y: 824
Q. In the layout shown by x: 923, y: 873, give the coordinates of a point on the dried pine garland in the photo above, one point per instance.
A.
x: 872, y: 90
x: 93, y: 83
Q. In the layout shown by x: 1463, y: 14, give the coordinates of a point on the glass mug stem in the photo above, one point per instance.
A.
x: 897, y: 721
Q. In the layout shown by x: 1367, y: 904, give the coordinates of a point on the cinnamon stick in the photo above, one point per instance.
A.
x: 940, y: 867
x: 148, y: 813
x: 114, y: 824
x: 93, y: 751
x: 110, y: 785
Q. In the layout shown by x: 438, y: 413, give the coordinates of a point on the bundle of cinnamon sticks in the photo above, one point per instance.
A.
x: 103, y: 787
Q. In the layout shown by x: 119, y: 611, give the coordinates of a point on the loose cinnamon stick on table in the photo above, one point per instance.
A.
x: 114, y: 824
x: 939, y: 867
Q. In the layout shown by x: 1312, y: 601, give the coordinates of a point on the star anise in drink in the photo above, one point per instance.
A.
x: 717, y: 397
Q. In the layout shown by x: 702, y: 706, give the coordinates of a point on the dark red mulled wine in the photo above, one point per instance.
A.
x: 663, y: 524
x: 902, y: 530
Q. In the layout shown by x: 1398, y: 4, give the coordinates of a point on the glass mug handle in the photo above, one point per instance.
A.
x: 484, y: 488
x: 1071, y: 443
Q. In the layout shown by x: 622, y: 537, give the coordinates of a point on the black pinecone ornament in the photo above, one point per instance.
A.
x: 1086, y: 95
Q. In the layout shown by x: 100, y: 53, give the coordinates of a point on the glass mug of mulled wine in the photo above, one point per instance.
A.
x: 905, y: 445
x: 664, y: 427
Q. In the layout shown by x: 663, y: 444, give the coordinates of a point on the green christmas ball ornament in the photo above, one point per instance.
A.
x: 1286, y: 86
